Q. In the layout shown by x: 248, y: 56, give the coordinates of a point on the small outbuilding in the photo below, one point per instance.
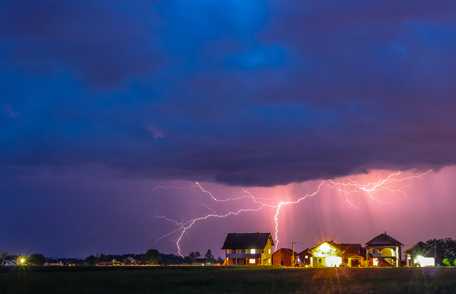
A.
x: 284, y: 257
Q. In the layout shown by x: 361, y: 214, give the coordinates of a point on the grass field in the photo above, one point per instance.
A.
x: 226, y: 280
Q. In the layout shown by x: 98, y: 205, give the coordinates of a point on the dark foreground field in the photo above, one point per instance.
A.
x: 227, y: 280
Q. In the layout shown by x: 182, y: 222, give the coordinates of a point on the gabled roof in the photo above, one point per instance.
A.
x: 383, y: 240
x: 285, y: 251
x: 306, y: 251
x: 352, y: 249
x: 247, y: 240
x: 344, y: 248
x: 421, y: 248
x: 332, y: 243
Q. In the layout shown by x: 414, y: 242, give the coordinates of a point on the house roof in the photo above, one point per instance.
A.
x: 352, y: 249
x: 421, y: 248
x: 285, y: 251
x: 247, y: 240
x: 306, y: 251
x: 383, y: 240
x: 344, y: 248
x: 332, y: 243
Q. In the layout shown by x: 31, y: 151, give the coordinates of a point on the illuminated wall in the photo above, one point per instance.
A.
x: 326, y: 255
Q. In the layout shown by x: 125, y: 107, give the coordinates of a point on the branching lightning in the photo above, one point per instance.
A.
x: 346, y: 186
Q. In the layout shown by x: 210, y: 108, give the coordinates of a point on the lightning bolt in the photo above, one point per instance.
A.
x: 370, y: 188
x: 282, y: 204
x: 347, y: 186
x: 205, y: 191
x: 192, y: 222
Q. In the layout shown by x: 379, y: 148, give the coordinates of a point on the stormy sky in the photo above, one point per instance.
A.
x: 109, y: 111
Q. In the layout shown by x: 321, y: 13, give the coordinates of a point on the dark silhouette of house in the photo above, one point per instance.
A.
x: 304, y: 258
x: 248, y: 249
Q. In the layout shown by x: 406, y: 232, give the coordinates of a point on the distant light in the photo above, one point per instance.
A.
x: 252, y: 261
x: 424, y: 261
x: 22, y: 260
x: 375, y: 261
x: 252, y: 251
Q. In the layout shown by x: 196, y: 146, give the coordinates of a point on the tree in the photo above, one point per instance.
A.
x: 194, y: 255
x: 91, y: 260
x: 3, y: 255
x: 220, y: 260
x: 443, y: 250
x: 209, y: 257
x: 37, y: 259
x: 153, y: 256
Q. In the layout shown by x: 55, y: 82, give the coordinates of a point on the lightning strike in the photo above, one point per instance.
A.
x: 188, y: 225
x: 202, y: 189
x: 349, y: 186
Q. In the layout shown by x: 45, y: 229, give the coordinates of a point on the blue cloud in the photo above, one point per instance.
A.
x: 243, y: 92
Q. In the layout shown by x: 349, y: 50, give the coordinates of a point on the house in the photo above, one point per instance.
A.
x: 284, y: 257
x: 326, y: 254
x: 383, y: 250
x: 421, y: 255
x: 248, y: 249
x: 331, y: 254
x: 304, y: 258
x: 9, y: 261
x: 353, y: 255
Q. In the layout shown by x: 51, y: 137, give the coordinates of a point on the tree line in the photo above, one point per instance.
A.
x: 443, y: 250
x: 150, y: 257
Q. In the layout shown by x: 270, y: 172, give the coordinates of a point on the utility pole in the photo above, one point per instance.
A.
x: 292, y: 254
x: 435, y: 251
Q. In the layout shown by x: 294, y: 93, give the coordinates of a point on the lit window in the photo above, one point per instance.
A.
x: 252, y: 261
x: 332, y: 261
x: 424, y: 261
x: 269, y: 251
x: 252, y: 251
x: 375, y: 261
x: 325, y: 249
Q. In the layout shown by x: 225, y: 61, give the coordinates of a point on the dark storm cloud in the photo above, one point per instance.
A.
x: 98, y: 41
x: 241, y: 92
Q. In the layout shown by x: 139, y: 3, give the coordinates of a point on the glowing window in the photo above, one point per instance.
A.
x: 252, y: 261
x: 269, y: 251
x: 424, y: 261
x: 375, y: 262
x: 252, y: 251
x: 333, y: 261
x: 325, y: 249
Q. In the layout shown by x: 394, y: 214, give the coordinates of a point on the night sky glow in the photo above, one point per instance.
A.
x: 121, y: 122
